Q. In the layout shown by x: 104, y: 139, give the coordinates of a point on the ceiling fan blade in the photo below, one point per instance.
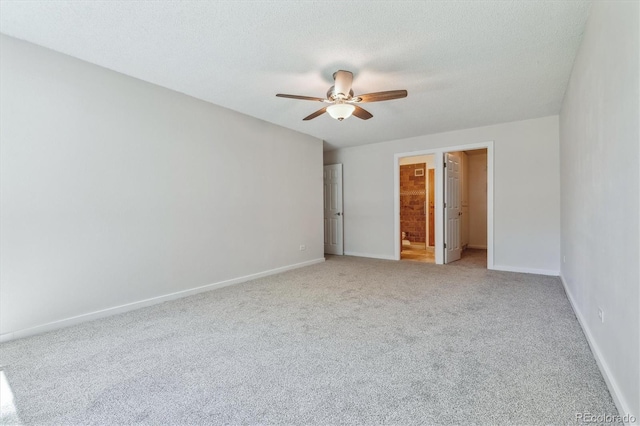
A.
x: 343, y: 80
x: 362, y: 113
x: 315, y: 114
x: 304, y: 98
x: 381, y: 96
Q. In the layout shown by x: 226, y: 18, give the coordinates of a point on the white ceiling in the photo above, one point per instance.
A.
x: 465, y: 64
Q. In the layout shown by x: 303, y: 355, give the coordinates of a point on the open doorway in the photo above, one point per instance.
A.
x: 439, y: 155
x: 465, y: 207
x: 417, y: 203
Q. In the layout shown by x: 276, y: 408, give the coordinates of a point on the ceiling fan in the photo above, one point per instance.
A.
x: 343, y: 102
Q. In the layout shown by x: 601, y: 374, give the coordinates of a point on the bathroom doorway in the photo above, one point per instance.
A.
x: 417, y: 204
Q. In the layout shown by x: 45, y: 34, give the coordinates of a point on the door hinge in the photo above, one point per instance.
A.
x: 445, y: 165
x: 445, y: 245
x: 445, y: 204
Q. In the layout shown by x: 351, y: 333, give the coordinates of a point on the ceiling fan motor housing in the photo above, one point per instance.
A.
x: 333, y: 94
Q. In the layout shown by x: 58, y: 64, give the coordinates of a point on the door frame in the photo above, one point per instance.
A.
x: 438, y: 154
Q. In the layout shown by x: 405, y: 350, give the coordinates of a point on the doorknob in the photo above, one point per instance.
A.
x: 338, y: 214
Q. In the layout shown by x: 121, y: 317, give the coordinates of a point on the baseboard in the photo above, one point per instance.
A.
x: 550, y: 272
x: 473, y: 246
x: 373, y: 256
x: 614, y: 389
x: 146, y: 302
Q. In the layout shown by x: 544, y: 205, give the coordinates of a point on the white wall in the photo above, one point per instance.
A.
x: 477, y: 182
x: 599, y: 142
x: 115, y: 190
x: 527, y: 192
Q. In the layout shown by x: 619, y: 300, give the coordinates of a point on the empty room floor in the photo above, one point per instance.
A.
x: 351, y: 340
x: 472, y: 258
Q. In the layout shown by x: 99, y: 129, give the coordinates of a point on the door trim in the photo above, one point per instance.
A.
x: 438, y: 154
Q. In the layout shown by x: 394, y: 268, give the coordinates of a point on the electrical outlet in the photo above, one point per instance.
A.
x: 601, y: 315
x: 302, y: 247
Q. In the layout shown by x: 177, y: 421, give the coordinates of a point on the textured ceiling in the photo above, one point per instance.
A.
x: 465, y: 64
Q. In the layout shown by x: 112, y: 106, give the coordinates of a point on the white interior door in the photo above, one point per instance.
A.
x: 333, y: 215
x: 452, y: 210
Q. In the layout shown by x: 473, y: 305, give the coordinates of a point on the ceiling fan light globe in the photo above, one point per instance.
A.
x: 340, y: 111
